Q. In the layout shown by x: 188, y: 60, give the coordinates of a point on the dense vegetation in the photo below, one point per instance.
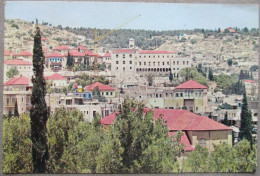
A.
x: 135, y: 143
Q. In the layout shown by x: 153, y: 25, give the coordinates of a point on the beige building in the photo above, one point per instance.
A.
x: 24, y: 67
x: 17, y: 89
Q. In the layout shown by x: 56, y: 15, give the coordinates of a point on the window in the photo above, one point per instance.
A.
x: 116, y: 62
x: 123, y: 55
x: 160, y: 95
x: 202, y: 142
x: 173, y: 62
x: 130, y: 55
x: 177, y: 62
x: 111, y: 93
x: 149, y: 64
x: 183, y: 62
x: 187, y: 62
x: 123, y: 62
x: 116, y: 55
x: 181, y: 94
x: 117, y: 68
x: 163, y: 63
x: 123, y: 68
x: 176, y: 95
x: 140, y: 63
x: 130, y: 62
x: 168, y: 63
x: 166, y: 94
x: 158, y: 63
x: 130, y: 68
x: 144, y: 63
x: 106, y: 93
x: 153, y: 63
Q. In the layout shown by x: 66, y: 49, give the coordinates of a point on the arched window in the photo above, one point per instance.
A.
x: 202, y: 142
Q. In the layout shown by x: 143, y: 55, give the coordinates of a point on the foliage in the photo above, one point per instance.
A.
x: 245, y: 123
x: 15, y: 26
x: 17, y: 145
x: 192, y: 73
x: 193, y: 41
x: 226, y: 82
x: 150, y: 79
x: 229, y: 61
x: 210, y: 75
x: 85, y: 79
x: 16, y: 113
x: 38, y: 111
x: 146, y: 145
x: 98, y: 96
x: 70, y: 61
x: 254, y: 68
x: 225, y: 121
x: 170, y: 76
x: 224, y: 158
x: 12, y: 72
x: 225, y: 106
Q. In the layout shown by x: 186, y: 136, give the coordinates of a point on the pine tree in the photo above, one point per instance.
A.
x: 171, y: 76
x: 39, y: 110
x: 245, y: 122
x: 16, y: 113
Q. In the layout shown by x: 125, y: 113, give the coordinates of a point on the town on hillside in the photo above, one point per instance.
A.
x: 194, y: 79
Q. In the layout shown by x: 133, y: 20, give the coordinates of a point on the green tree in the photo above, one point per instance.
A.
x: 145, y: 143
x: 171, y: 76
x: 193, y: 41
x: 97, y: 95
x: 150, y: 79
x: 210, y: 75
x: 16, y: 113
x: 225, y: 121
x: 245, y: 123
x: 70, y: 61
x: 9, y: 113
x: 254, y: 68
x: 17, y: 145
x: 210, y: 115
x: 225, y: 106
x: 38, y: 111
x: 246, y: 30
x: 12, y: 72
x: 192, y: 73
x: 229, y: 61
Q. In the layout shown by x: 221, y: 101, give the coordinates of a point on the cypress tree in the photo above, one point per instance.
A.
x: 245, y: 121
x: 210, y: 115
x: 16, y: 113
x: 9, y: 113
x: 171, y: 76
x: 39, y: 110
x: 69, y: 61
x: 225, y: 122
x: 210, y: 76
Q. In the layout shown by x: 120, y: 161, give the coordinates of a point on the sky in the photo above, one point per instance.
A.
x: 154, y: 16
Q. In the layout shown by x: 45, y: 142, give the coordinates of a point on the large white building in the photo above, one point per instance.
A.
x: 126, y: 64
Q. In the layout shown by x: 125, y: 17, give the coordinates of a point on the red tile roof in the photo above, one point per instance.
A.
x: 182, y: 120
x: 154, y: 52
x: 108, y: 119
x: 107, y: 55
x: 62, y: 47
x: 81, y: 48
x: 87, y: 52
x: 55, y: 76
x: 24, y: 53
x: 16, y: 62
x: 190, y: 85
x: 100, y: 86
x: 250, y: 81
x: 6, y: 53
x: 124, y: 51
x: 21, y: 80
x: 184, y: 140
x: 54, y: 55
x: 75, y: 53
x: 44, y: 39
